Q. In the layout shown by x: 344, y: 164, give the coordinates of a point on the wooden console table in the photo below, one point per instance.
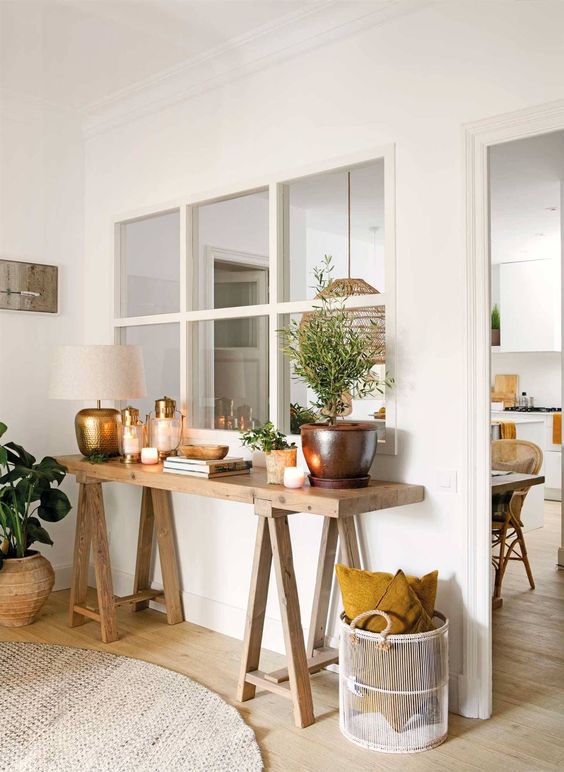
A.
x: 272, y: 504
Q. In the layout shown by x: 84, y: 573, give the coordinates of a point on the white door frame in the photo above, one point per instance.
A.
x: 475, y: 685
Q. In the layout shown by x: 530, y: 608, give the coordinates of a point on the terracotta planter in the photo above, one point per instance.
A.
x: 277, y: 461
x: 496, y: 337
x: 339, y: 456
x: 25, y: 584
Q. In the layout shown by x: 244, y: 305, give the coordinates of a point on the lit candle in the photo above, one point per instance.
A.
x: 163, y: 435
x: 149, y: 456
x: 294, y: 477
x: 130, y: 442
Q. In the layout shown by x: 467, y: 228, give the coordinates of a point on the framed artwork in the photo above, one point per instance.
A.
x: 28, y: 286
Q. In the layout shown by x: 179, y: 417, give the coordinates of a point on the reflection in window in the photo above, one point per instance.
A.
x: 150, y: 265
x: 231, y: 252
x: 300, y: 399
x: 230, y: 373
x: 319, y: 225
x: 160, y: 344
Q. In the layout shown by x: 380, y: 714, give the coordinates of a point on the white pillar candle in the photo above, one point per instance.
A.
x: 294, y: 477
x: 163, y: 442
x: 149, y: 456
x: 130, y: 442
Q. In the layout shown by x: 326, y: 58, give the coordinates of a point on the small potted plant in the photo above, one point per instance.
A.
x: 335, y: 357
x: 496, y: 326
x: 27, y: 496
x: 278, y: 451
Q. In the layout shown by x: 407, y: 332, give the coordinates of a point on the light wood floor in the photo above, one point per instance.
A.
x: 526, y: 733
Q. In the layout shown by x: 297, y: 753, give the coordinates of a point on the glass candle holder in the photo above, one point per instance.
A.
x: 165, y: 427
x: 130, y: 436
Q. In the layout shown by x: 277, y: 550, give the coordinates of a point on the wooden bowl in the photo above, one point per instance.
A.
x: 204, y: 452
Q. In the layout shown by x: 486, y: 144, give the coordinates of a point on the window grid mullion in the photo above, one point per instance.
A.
x: 277, y: 309
x: 239, y: 312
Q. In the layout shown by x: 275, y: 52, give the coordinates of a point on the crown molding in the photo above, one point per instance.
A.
x: 23, y: 107
x: 316, y: 25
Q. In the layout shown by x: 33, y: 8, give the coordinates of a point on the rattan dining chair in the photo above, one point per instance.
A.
x: 508, y: 541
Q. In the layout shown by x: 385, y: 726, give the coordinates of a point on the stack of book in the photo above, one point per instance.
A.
x: 206, y: 469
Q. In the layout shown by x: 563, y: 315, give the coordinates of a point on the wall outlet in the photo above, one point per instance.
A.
x: 447, y: 480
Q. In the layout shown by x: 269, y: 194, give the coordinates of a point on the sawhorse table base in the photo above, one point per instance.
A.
x: 273, y: 545
x: 92, y: 533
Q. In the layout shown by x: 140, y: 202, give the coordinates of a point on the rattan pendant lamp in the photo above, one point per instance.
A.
x: 370, y: 320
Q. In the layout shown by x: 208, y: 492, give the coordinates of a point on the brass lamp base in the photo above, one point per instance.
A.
x: 97, y: 431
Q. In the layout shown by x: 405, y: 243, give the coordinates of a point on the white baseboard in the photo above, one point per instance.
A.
x: 63, y: 576
x: 206, y: 612
x: 464, y: 691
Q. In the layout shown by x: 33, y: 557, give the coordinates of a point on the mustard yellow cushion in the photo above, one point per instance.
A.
x: 364, y: 590
x: 369, y: 586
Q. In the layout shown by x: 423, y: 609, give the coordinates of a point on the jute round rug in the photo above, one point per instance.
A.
x: 73, y: 710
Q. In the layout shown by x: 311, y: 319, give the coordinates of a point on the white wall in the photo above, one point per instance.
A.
x: 414, y: 82
x: 539, y: 374
x: 41, y: 220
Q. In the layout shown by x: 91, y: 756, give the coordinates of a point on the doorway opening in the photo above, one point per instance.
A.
x: 526, y: 191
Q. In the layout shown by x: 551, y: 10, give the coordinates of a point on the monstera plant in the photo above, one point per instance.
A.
x: 29, y: 496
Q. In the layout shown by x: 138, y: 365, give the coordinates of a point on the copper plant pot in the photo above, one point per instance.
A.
x: 496, y: 337
x: 339, y: 456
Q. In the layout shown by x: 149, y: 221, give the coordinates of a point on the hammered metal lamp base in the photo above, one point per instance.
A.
x: 97, y: 431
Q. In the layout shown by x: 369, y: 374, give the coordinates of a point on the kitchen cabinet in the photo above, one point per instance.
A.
x: 532, y: 513
x: 553, y: 474
x: 530, y: 306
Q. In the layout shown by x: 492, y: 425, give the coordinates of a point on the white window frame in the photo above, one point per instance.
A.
x: 278, y: 306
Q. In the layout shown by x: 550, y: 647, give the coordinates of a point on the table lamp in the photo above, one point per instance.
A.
x: 97, y: 373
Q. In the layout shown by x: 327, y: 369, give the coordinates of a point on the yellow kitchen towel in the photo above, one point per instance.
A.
x: 508, y: 430
x: 557, y: 429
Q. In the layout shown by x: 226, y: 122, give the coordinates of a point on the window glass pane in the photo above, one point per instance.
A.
x: 301, y: 400
x: 229, y: 373
x: 318, y: 225
x: 150, y: 265
x: 231, y: 252
x: 160, y: 344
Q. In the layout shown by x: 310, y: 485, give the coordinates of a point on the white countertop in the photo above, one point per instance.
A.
x: 518, y: 418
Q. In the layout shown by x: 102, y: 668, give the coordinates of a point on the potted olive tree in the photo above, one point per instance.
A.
x: 27, y: 497
x: 278, y: 451
x: 335, y: 358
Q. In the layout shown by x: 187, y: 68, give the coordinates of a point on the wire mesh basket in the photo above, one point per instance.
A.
x: 393, y: 689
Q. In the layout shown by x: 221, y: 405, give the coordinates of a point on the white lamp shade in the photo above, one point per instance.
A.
x: 97, y: 372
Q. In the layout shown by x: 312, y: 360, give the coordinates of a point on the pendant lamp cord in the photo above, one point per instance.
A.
x: 349, y: 222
